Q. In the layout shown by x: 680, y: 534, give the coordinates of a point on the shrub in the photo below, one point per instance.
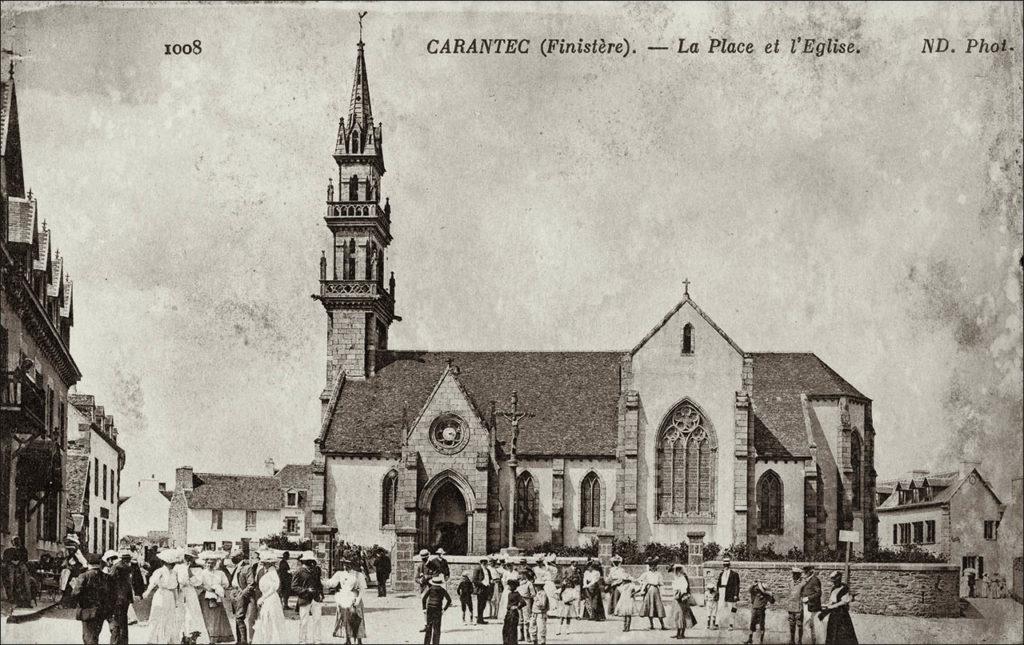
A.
x: 565, y: 550
x: 282, y: 542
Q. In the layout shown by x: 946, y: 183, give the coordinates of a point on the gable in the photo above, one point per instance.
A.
x: 692, y: 314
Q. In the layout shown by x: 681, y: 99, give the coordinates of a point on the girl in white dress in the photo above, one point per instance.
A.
x: 349, y: 623
x: 163, y: 614
x: 190, y: 584
x: 269, y: 627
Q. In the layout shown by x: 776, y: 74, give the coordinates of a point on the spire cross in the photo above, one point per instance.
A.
x: 361, y: 14
x: 686, y: 287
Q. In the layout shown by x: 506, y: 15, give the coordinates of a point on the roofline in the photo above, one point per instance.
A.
x: 911, y: 507
x: 332, y: 405
x: 674, y: 311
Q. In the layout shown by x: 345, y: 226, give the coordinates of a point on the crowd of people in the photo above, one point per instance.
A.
x: 524, y: 594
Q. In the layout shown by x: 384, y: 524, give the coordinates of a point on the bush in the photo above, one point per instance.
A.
x: 910, y: 553
x: 565, y: 550
x: 283, y: 542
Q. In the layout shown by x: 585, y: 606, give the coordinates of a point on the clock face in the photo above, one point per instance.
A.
x: 449, y: 435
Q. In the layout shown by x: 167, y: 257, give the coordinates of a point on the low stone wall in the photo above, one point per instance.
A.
x: 893, y: 589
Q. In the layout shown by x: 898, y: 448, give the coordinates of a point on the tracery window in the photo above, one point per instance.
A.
x: 686, y: 465
x: 769, y: 503
x: 526, y: 503
x: 590, y: 501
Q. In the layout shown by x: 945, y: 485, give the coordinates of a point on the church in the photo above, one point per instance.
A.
x: 684, y: 437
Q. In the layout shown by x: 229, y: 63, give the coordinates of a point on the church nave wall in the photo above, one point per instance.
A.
x: 354, y: 498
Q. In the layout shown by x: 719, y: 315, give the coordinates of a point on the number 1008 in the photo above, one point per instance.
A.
x: 196, y: 47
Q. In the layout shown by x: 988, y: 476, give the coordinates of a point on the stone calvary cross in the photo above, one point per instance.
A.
x: 513, y: 416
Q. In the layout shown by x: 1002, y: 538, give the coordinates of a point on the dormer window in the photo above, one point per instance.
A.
x: 292, y: 498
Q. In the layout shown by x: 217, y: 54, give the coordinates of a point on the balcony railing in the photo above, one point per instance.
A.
x: 22, y: 402
x: 356, y: 209
x: 352, y: 288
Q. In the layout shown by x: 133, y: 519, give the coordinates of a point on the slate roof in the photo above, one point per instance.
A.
x: 949, y: 483
x: 248, y: 492
x: 574, y: 396
x: 6, y: 107
x: 21, y: 220
x: 779, y: 380
x: 295, y: 475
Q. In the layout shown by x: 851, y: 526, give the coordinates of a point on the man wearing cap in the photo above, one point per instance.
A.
x: 382, y: 568
x: 811, y: 596
x: 728, y: 593
x: 759, y: 599
x: 795, y: 607
x: 122, y: 595
x: 482, y: 582
x: 422, y: 575
x: 309, y: 594
x: 92, y: 593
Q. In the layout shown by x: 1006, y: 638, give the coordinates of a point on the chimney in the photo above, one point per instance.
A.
x: 183, y: 478
x: 269, y: 465
x: 967, y: 466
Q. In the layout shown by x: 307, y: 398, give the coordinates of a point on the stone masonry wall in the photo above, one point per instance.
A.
x: 891, y: 589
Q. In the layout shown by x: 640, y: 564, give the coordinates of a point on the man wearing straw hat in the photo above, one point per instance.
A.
x: 436, y: 601
x: 811, y: 595
x: 728, y: 594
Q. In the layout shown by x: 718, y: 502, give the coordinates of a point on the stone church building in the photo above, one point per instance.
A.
x: 686, y: 436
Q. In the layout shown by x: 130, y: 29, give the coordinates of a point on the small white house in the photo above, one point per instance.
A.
x: 146, y: 510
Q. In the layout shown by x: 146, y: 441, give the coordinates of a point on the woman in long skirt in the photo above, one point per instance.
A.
x: 269, y: 625
x: 164, y: 625
x: 514, y: 603
x: 592, y: 584
x: 653, y: 606
x: 193, y: 627
x: 616, y: 577
x: 629, y: 603
x: 840, y: 628
x: 348, y: 624
x: 215, y: 614
x: 684, y: 600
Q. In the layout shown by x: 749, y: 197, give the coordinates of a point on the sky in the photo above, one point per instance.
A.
x: 864, y: 207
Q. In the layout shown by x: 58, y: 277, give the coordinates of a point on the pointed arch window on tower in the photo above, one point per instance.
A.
x: 350, y: 260
x: 370, y: 262
x: 687, y: 339
x: 526, y: 503
x: 686, y: 465
x: 590, y: 501
x: 353, y: 189
x: 769, y: 503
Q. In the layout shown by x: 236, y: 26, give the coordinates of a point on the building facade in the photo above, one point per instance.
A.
x: 36, y: 366
x: 218, y: 511
x: 685, y: 436
x: 95, y: 462
x: 951, y: 514
x: 146, y: 510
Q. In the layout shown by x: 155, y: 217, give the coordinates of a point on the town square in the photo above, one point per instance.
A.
x: 313, y: 329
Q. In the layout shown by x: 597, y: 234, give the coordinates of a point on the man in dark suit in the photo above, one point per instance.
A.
x: 811, y: 595
x: 91, y: 592
x: 441, y: 565
x: 246, y: 594
x: 382, y: 567
x: 482, y: 585
x: 122, y: 594
x: 728, y: 594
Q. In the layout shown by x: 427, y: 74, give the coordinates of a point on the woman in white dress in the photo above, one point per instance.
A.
x: 190, y: 583
x: 215, y: 615
x: 163, y: 614
x: 507, y: 573
x: 348, y: 624
x: 269, y: 625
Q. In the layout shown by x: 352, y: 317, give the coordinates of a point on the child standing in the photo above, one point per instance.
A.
x: 626, y: 607
x: 567, y: 605
x: 539, y: 617
x: 711, y: 600
x: 526, y: 615
x: 759, y: 599
x: 465, y: 591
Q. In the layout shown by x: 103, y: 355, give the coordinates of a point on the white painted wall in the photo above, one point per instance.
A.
x: 710, y: 377
x: 354, y: 498
x: 268, y: 522
x: 146, y: 510
x: 792, y: 475
x: 102, y: 500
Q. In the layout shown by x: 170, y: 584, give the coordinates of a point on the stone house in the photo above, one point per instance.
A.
x: 36, y: 366
x: 953, y: 514
x: 220, y: 511
x: 686, y: 436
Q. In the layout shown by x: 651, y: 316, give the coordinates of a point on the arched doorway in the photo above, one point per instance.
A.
x: 448, y: 525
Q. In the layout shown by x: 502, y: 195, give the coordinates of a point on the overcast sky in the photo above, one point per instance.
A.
x: 864, y: 207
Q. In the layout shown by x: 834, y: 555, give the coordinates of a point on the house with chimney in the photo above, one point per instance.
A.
x: 227, y: 511
x: 954, y: 514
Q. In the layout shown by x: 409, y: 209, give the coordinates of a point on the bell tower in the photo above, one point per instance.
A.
x: 360, y: 306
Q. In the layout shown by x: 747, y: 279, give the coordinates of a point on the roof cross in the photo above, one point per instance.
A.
x: 361, y: 15
x: 686, y: 287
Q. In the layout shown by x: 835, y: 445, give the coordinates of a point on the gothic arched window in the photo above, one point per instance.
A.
x: 526, y: 503
x: 590, y: 501
x: 353, y: 189
x: 769, y: 503
x: 687, y: 338
x: 855, y: 464
x: 686, y: 464
x: 388, y: 496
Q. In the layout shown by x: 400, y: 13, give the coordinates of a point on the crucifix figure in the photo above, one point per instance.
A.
x: 361, y: 14
x: 513, y: 416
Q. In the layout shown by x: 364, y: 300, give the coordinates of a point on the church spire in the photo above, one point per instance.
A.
x: 359, y: 112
